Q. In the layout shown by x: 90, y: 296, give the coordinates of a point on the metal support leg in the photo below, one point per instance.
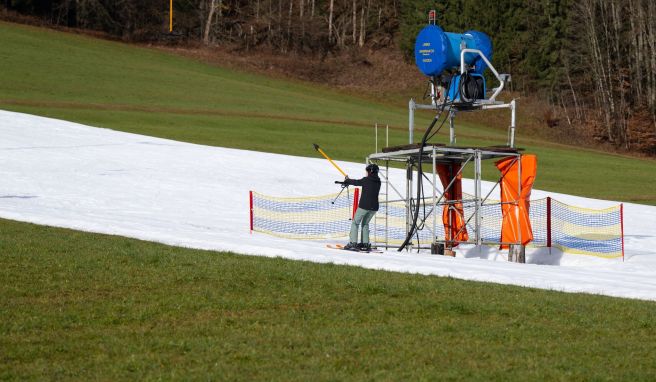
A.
x: 387, y: 205
x: 376, y: 138
x: 408, y: 198
x: 477, y: 196
x: 411, y: 120
x: 452, y: 128
x: 513, y: 119
x: 434, y: 199
x: 519, y: 188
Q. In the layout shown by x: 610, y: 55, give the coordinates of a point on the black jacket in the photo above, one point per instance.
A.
x: 370, y: 189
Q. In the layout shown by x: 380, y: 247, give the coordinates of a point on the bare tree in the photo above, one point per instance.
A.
x: 330, y: 20
x: 355, y: 21
x: 619, y: 50
x: 208, y: 24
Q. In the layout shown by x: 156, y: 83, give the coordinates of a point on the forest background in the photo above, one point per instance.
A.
x: 587, y: 68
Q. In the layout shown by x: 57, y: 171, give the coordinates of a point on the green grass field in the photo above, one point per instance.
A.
x: 95, y: 307
x: 81, y: 306
x: 145, y: 91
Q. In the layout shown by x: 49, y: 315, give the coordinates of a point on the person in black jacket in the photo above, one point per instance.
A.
x: 366, y: 208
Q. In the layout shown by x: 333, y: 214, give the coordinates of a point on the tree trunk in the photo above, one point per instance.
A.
x: 362, y: 28
x: 380, y: 13
x: 330, y: 21
x: 355, y: 21
x: 208, y: 24
x: 289, y: 21
x: 302, y: 21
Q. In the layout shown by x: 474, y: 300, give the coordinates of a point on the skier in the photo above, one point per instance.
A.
x: 367, y: 208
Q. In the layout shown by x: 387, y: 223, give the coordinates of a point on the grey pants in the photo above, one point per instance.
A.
x: 362, y: 218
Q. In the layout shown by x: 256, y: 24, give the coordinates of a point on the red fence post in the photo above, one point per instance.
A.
x: 549, y: 221
x: 622, y: 227
x: 250, y: 195
x: 356, y: 198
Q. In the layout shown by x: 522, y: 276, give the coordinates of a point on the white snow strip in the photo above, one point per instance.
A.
x: 92, y: 179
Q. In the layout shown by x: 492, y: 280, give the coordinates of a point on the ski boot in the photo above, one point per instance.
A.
x: 364, y: 247
x: 351, y: 247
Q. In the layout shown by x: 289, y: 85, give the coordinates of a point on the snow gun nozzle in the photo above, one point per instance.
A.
x: 316, y: 146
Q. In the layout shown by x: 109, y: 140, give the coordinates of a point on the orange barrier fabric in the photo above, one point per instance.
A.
x: 516, y: 223
x: 453, y: 218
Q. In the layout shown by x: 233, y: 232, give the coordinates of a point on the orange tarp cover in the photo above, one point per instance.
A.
x: 453, y: 218
x: 516, y: 223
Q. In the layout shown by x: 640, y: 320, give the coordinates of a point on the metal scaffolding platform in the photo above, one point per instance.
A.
x: 435, y: 154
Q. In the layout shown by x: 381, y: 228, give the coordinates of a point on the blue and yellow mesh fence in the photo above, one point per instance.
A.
x: 572, y: 229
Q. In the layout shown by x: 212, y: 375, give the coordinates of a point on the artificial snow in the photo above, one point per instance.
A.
x: 99, y: 180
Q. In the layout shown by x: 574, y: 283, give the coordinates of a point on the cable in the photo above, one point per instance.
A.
x: 420, y: 174
x: 470, y: 88
x: 450, y: 104
x: 439, y: 128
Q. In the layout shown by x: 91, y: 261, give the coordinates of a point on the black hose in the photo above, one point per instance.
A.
x: 420, y: 173
x: 470, y: 88
x: 419, y: 184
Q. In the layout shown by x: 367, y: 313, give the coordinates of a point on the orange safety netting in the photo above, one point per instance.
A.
x: 515, y: 196
x: 453, y: 216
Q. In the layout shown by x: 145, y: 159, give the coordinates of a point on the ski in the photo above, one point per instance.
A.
x: 341, y: 248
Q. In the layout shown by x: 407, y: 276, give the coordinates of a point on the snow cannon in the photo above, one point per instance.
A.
x: 437, y: 53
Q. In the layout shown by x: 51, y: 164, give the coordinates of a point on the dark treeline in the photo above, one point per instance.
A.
x: 594, y: 61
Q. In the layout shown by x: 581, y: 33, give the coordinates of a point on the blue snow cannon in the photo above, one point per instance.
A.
x: 437, y: 51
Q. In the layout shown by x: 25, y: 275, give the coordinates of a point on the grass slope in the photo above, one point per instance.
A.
x: 144, y: 91
x: 96, y: 307
x: 85, y: 306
